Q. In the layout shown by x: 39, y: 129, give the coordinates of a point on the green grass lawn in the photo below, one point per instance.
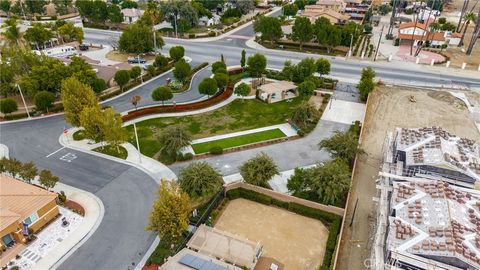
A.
x: 205, y: 147
x: 112, y: 151
x: 237, y: 116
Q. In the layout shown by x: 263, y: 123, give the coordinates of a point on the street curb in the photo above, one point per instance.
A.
x: 87, y: 236
x: 66, y: 145
x: 147, y: 254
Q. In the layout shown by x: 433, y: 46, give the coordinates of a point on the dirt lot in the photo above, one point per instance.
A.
x: 296, y: 241
x: 457, y: 57
x: 123, y: 57
x: 389, y: 108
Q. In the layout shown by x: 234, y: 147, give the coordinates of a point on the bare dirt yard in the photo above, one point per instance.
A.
x: 296, y: 241
x: 388, y: 108
x: 123, y: 57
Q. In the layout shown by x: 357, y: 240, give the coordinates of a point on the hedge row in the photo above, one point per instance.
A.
x: 331, y: 220
x: 219, y: 97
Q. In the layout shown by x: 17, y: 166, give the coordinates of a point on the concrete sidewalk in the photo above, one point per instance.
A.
x: 154, y: 168
x: 285, y: 128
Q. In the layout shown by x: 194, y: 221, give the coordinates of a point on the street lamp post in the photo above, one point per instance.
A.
x: 138, y: 61
x: 23, y: 99
x: 138, y: 143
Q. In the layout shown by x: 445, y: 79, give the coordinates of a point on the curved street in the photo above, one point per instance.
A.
x: 127, y: 192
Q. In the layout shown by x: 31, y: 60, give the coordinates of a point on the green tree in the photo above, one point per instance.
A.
x: 304, y: 69
x: 160, y: 61
x: 302, y: 30
x: 367, y: 73
x: 199, y: 179
x: 324, y: 183
x: 5, y: 6
x: 135, y: 72
x: 290, y: 10
x: 182, y: 70
x: 44, y: 100
x: 219, y: 65
x: 257, y: 64
x: 306, y: 89
x: 269, y: 27
x: 259, y: 170
x: 243, y: 60
x: 327, y: 35
x: 129, y: 4
x: 242, y: 90
x: 305, y: 114
x: 208, y: 86
x: 75, y: 97
x: 169, y: 214
x: 115, y: 134
x: 13, y: 166
x: 172, y: 139
x: 122, y: 77
x: 176, y: 53
x: 151, y: 70
x: 35, y: 6
x: 47, y: 179
x: 62, y: 6
x: 245, y: 6
x: 12, y: 34
x: 8, y: 105
x: 92, y: 120
x: 468, y: 17
x: 38, y: 34
x: 28, y: 172
x: 365, y: 87
x: 70, y: 32
x: 342, y: 145
x: 300, y: 4
x: 221, y: 79
x: 162, y: 93
x: 138, y: 38
x: 384, y: 9
x: 323, y: 66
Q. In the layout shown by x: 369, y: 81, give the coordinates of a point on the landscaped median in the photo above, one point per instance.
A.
x: 200, y: 148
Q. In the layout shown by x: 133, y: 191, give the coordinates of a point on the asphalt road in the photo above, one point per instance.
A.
x: 126, y: 192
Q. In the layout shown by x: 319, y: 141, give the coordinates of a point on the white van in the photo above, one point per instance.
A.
x: 60, y: 52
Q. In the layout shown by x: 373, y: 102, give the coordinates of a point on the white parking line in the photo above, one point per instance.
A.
x: 53, y: 153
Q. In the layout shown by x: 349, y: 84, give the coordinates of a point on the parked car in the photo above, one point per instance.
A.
x: 136, y: 60
x: 83, y: 47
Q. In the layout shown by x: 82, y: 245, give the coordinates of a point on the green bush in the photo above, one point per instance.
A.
x: 191, y: 35
x: 216, y: 150
x: 280, y: 204
x: 212, y: 34
x: 188, y: 156
x: 311, y: 212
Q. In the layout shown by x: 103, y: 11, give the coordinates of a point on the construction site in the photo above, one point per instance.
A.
x: 428, y: 214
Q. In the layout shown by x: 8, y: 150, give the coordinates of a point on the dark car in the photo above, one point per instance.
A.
x: 83, y: 47
x: 136, y: 60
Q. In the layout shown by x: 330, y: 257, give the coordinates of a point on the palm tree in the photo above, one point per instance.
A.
x: 475, y: 35
x: 468, y: 18
x: 13, y: 33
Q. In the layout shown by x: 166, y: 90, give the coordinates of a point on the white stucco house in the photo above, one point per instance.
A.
x: 131, y: 15
x: 205, y: 21
x: 418, y: 33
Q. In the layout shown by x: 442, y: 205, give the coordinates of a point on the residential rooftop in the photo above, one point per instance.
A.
x: 436, y: 221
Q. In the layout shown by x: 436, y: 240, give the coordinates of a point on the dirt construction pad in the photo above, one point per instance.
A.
x: 297, y: 242
x: 388, y: 108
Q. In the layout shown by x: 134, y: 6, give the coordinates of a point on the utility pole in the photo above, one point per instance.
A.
x: 378, y: 45
x: 138, y: 143
x: 392, y: 19
x: 464, y: 8
x: 23, y: 99
x: 175, y: 21
x: 155, y: 40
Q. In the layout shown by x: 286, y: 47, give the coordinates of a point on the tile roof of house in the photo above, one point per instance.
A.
x: 412, y: 24
x: 330, y: 2
x: 277, y: 87
x: 435, y: 146
x: 435, y: 220
x: 20, y: 200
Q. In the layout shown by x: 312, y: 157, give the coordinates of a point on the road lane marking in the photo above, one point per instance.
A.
x: 53, y: 153
x: 68, y: 157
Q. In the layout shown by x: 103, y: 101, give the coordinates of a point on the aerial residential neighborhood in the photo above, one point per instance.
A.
x: 240, y: 134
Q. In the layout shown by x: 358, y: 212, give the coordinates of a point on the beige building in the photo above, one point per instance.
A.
x: 333, y: 10
x: 23, y: 206
x: 277, y: 91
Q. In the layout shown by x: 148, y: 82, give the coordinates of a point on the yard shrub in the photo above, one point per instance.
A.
x: 216, y: 150
x: 188, y: 156
x: 280, y: 204
x: 212, y: 34
x: 311, y: 212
